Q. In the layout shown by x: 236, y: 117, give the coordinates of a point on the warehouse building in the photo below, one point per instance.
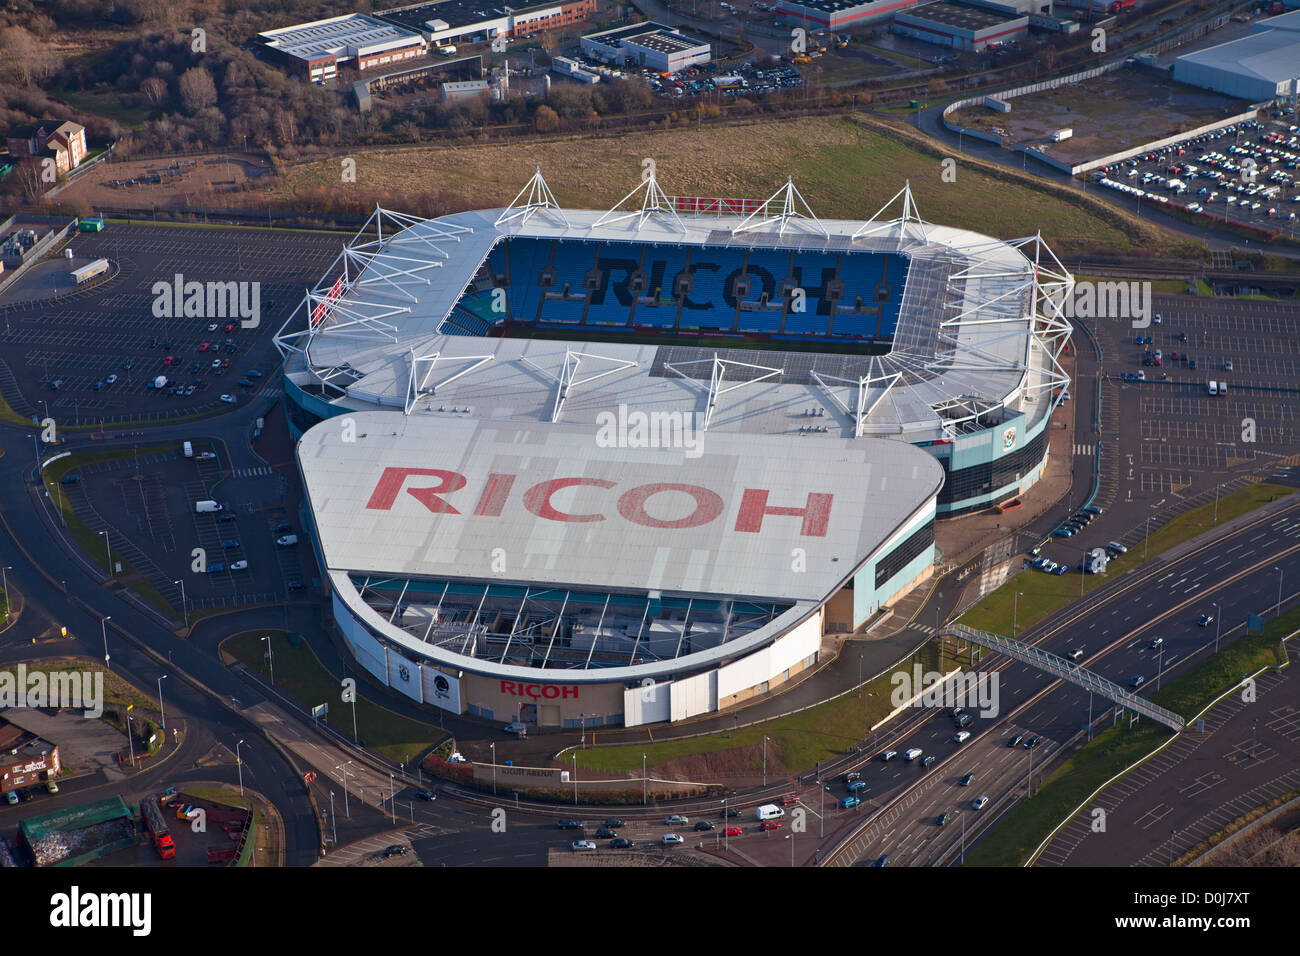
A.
x: 316, y: 50
x: 837, y: 14
x: 470, y: 21
x: 961, y: 26
x: 651, y: 44
x: 1258, y: 67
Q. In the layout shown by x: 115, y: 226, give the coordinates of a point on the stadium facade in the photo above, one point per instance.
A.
x: 583, y: 468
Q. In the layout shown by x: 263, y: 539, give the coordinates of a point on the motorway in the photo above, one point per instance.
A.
x: 1234, y: 577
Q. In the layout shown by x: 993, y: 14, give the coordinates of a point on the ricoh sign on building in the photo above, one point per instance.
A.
x: 445, y: 538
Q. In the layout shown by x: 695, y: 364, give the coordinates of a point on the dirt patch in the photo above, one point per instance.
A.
x: 140, y: 183
x: 1110, y: 113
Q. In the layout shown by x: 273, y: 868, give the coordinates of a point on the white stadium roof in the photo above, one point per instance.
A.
x: 702, y: 520
x: 975, y: 329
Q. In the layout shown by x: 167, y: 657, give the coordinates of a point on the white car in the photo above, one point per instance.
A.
x: 239, y: 566
x: 961, y: 737
x: 216, y: 363
x: 111, y: 379
x: 671, y: 839
x: 979, y: 804
x: 228, y: 399
x: 212, y: 327
x: 583, y: 845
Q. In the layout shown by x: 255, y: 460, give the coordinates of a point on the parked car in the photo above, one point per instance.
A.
x: 239, y: 566
x: 614, y: 823
x: 582, y: 845
x: 671, y: 839
x: 621, y: 843
x: 980, y: 803
x: 848, y: 802
x: 770, y: 825
x: 396, y: 850
x: 676, y: 819
x: 1015, y: 740
x: 229, y: 399
x: 941, y: 819
x: 967, y: 780
x: 425, y: 795
x: 605, y: 833
x: 567, y: 823
x: 1206, y: 620
x: 1137, y: 681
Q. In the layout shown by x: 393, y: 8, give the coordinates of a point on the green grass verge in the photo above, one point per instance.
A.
x: 1114, y: 749
x: 91, y: 543
x: 796, y: 742
x: 301, y: 676
x: 117, y: 692
x: 1044, y: 594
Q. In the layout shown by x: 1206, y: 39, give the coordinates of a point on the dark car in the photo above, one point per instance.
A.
x: 228, y: 516
x: 230, y: 543
x: 883, y: 860
x: 941, y: 819
x: 396, y: 850
x: 622, y: 843
x: 282, y: 528
x: 568, y: 824
x: 967, y: 780
x: 294, y: 584
x: 71, y: 479
x: 729, y: 812
x: 615, y: 822
x: 605, y: 833
x: 703, y: 825
x: 426, y: 795
x: 1031, y: 743
x: 253, y: 373
x: 927, y: 760
x: 1015, y: 740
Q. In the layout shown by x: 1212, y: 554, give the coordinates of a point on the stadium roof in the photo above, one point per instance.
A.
x: 974, y: 331
x: 694, y: 520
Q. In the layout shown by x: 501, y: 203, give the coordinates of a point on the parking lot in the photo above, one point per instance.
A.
x: 1245, y: 173
x: 94, y: 355
x: 147, y: 506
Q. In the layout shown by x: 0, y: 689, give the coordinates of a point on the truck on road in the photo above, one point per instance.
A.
x: 153, y: 821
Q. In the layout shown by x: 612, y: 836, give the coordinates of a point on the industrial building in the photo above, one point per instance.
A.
x: 961, y: 26
x: 449, y: 22
x: 653, y: 45
x: 1258, y: 67
x: 316, y: 50
x: 534, y: 497
x: 838, y: 14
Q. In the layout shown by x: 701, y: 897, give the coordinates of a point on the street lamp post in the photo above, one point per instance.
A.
x: 184, y: 607
x: 1279, y: 592
x: 1218, y: 626
x: 765, y: 740
x: 493, y: 748
x: 108, y: 553
x: 103, y: 628
x: 4, y: 574
x: 1147, y: 534
x: 1015, y: 612
x: 271, y: 657
x: 575, y: 778
x: 343, y: 772
x: 239, y: 763
x: 1160, y: 666
x: 392, y: 797
x: 334, y: 821
x: 643, y: 790
x: 161, y: 708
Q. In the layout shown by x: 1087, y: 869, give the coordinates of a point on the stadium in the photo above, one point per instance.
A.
x: 582, y: 468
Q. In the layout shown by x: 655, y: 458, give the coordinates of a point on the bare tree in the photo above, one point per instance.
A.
x: 197, y: 89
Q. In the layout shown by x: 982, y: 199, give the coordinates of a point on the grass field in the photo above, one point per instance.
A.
x: 300, y: 675
x: 1116, y: 748
x: 796, y: 742
x: 846, y: 167
x: 1044, y: 594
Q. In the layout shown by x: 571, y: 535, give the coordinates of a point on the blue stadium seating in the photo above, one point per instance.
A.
x: 706, y: 306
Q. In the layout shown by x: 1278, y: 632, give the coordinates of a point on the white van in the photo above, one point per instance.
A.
x: 206, y: 507
x: 187, y: 449
x: 1213, y: 388
x: 768, y: 811
x: 913, y: 753
x: 286, y: 540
